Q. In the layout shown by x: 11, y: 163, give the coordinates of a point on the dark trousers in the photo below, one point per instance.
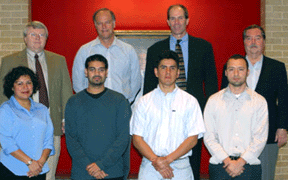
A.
x: 251, y: 172
x: 118, y: 178
x: 195, y: 159
x: 7, y: 174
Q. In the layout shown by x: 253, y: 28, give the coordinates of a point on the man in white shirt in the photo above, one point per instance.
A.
x: 236, y: 119
x: 166, y: 125
x: 124, y: 72
x: 268, y: 77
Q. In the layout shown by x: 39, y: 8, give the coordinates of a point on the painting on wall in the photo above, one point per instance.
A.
x: 141, y: 40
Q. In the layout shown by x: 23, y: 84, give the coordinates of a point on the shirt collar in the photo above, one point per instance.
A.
x: 31, y: 54
x: 170, y: 93
x: 247, y: 93
x: 98, y: 42
x: 257, y: 65
x: 183, y: 39
x: 18, y: 106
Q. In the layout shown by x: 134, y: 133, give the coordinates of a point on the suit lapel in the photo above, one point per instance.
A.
x: 23, y: 58
x: 264, y: 75
x: 50, y: 69
x: 191, y: 60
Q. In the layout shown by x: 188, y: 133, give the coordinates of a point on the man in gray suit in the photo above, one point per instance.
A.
x: 56, y: 80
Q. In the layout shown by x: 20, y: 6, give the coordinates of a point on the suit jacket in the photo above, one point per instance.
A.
x: 272, y: 85
x: 202, y: 76
x: 60, y: 89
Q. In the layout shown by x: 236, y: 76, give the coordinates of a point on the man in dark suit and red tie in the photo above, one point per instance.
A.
x: 198, y: 73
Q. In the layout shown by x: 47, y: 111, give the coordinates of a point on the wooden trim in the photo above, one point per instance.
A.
x: 29, y: 11
x: 262, y: 13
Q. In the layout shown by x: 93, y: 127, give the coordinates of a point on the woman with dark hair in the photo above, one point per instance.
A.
x: 26, y: 130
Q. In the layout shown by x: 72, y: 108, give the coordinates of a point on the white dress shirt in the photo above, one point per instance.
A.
x: 165, y: 121
x: 236, y: 126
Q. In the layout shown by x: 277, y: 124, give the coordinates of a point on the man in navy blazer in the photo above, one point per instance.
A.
x: 267, y: 77
x: 199, y: 66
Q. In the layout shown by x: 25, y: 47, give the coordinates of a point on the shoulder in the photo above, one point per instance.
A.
x: 54, y: 55
x: 159, y: 44
x: 185, y: 95
x: 87, y: 45
x: 217, y: 96
x: 123, y: 44
x: 111, y: 94
x: 272, y: 62
x: 256, y: 96
x: 39, y: 106
x: 14, y: 57
x: 4, y: 106
x: 198, y: 41
x: 75, y: 98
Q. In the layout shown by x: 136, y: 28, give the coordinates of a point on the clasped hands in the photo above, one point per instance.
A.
x: 234, y: 167
x: 162, y: 165
x: 95, y: 171
x: 35, y: 168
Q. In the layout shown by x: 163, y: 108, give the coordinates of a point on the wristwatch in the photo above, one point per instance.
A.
x: 29, y: 162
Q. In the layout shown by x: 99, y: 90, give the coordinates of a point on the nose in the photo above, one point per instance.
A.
x: 168, y: 70
x: 176, y: 20
x: 25, y: 86
x: 236, y: 72
x: 104, y: 25
x: 37, y: 36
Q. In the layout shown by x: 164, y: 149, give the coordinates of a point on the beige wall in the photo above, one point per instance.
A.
x: 276, y: 25
x: 14, y: 16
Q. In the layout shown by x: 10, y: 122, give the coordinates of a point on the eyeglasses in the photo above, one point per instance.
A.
x: 34, y: 35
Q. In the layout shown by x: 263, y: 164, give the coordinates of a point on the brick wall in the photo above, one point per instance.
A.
x: 276, y: 25
x: 13, y: 18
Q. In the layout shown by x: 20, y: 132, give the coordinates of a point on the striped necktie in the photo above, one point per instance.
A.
x: 43, y: 95
x: 181, y: 81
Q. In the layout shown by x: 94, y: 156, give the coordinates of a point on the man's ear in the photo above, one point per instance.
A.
x: 156, y: 72
x: 85, y: 71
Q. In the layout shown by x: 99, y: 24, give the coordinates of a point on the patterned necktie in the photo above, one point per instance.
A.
x: 181, y: 81
x: 43, y: 95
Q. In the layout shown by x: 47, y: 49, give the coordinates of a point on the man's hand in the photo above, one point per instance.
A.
x: 63, y: 127
x: 161, y: 164
x: 281, y: 137
x: 235, y: 167
x: 95, y: 171
x: 34, y: 169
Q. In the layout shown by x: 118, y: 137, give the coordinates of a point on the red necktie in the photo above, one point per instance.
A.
x: 43, y: 95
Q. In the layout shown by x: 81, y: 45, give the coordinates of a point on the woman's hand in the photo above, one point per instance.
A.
x: 34, y: 169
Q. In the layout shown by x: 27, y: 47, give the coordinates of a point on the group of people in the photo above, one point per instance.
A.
x: 244, y: 124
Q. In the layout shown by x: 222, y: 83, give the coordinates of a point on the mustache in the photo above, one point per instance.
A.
x: 96, y: 76
x: 253, y: 45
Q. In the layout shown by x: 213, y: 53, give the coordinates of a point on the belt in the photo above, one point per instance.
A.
x: 234, y: 157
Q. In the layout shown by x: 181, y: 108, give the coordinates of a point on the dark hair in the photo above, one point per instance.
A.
x: 96, y: 57
x: 181, y: 6
x: 254, y: 26
x: 14, y: 75
x: 104, y: 9
x: 236, y: 56
x: 167, y: 55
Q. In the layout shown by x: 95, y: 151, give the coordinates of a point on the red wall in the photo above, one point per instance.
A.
x: 70, y: 25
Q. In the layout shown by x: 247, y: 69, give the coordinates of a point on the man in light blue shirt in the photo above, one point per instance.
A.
x: 124, y: 72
